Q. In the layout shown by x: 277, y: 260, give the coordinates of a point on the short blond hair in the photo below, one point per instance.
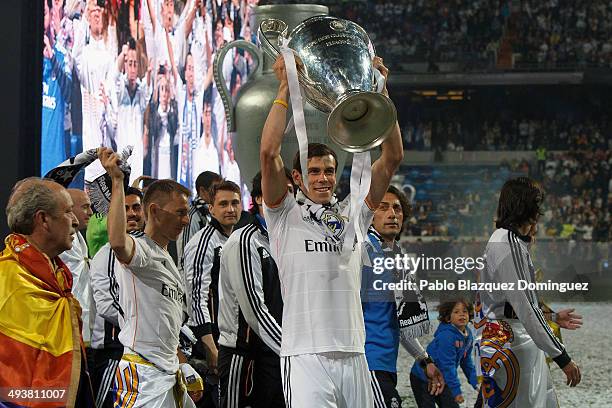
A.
x: 160, y: 192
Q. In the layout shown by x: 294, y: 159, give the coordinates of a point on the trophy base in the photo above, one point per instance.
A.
x: 361, y: 121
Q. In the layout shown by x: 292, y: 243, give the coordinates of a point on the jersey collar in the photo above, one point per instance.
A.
x: 260, y: 222
x: 524, y: 238
x: 217, y: 225
x: 302, y: 199
x: 376, y: 235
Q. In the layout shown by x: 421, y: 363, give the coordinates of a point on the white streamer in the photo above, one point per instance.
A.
x: 298, y: 109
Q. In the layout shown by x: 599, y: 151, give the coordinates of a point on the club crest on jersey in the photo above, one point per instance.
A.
x: 334, y: 223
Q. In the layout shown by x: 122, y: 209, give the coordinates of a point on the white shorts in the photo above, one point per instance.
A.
x: 514, y: 369
x: 327, y: 380
x: 144, y: 385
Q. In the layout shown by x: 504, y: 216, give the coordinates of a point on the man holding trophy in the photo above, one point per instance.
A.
x: 315, y: 238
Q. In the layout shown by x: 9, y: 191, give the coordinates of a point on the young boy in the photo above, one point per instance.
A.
x: 450, y: 348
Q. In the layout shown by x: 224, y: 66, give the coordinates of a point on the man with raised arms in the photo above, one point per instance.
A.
x: 322, y: 348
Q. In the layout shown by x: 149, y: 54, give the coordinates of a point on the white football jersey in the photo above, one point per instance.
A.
x: 322, y: 307
x: 152, y: 296
x: 77, y: 261
x: 105, y: 307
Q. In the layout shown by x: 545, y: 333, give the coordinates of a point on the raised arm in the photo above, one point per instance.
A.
x: 120, y: 61
x: 273, y: 180
x: 392, y: 154
x: 190, y: 17
x: 80, y: 28
x: 152, y: 15
x: 171, y: 56
x: 121, y: 243
x: 61, y: 68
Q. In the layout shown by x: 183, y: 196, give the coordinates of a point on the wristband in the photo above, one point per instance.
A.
x: 281, y: 103
x: 193, y: 380
x: 423, y: 363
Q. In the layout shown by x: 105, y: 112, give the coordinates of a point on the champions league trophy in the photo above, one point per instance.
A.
x: 247, y: 111
x: 337, y: 77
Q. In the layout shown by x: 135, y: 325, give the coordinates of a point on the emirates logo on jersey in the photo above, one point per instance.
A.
x: 173, y: 293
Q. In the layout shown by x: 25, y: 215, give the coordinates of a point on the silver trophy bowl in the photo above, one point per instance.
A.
x: 337, y: 77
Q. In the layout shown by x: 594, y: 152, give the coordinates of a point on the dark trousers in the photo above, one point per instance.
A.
x: 479, y: 401
x: 425, y: 400
x: 85, y: 396
x: 103, y: 369
x: 250, y: 380
x: 384, y: 385
x: 210, y: 398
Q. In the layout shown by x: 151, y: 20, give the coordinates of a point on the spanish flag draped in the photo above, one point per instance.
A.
x: 40, y: 344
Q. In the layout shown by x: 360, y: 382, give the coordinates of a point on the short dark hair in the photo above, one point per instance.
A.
x: 206, y: 179
x: 520, y: 202
x: 445, y: 309
x: 257, y: 192
x: 207, y: 96
x: 132, y: 43
x: 315, y: 150
x: 224, y: 185
x: 133, y: 191
x: 160, y: 191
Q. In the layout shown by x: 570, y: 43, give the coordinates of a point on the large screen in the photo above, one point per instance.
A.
x: 138, y: 73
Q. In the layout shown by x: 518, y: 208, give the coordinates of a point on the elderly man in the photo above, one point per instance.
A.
x: 39, y: 317
x: 77, y: 258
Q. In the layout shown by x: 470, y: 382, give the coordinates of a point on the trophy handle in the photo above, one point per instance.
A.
x: 275, y: 26
x: 220, y: 79
x: 280, y: 28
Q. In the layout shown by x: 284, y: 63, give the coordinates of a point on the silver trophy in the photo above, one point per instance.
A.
x: 337, y: 77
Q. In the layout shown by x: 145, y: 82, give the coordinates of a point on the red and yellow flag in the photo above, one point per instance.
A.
x: 40, y: 340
